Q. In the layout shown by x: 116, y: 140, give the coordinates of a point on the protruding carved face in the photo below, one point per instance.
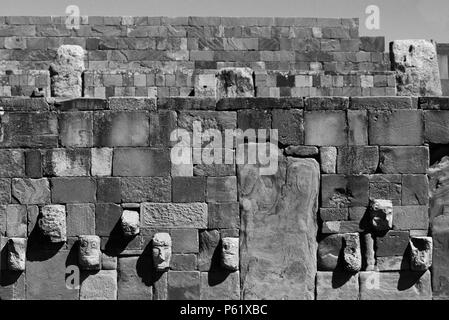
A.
x: 382, y: 214
x: 161, y: 251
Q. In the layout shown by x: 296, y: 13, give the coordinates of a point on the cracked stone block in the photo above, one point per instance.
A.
x: 89, y: 253
x: 234, y: 82
x: 352, y: 255
x: 53, y: 223
x: 328, y: 159
x: 162, y: 250
x: 130, y: 223
x: 230, y: 253
x: 66, y: 72
x: 31, y: 191
x: 421, y: 253
x: 101, y: 285
x: 381, y: 213
x: 17, y: 254
x: 416, y: 66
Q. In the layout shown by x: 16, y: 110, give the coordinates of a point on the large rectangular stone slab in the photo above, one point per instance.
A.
x: 436, y: 126
x: 220, y: 286
x: 134, y: 280
x: 344, y: 191
x: 325, y: 128
x: 73, y: 190
x: 140, y: 162
x: 278, y: 248
x: 337, y: 286
x: 173, y: 215
x: 141, y: 189
x: 357, y: 160
x: 404, y: 159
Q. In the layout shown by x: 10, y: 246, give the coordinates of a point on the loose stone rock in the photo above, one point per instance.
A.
x: 421, y: 253
x: 130, y: 223
x: 381, y: 212
x: 162, y: 249
x: 53, y: 223
x: 89, y: 255
x: 230, y: 253
x: 17, y: 254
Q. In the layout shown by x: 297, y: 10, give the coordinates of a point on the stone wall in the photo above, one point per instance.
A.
x: 443, y: 60
x: 344, y: 216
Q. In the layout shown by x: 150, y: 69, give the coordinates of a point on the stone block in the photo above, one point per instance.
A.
x: 132, y: 103
x: 121, y: 128
x: 301, y: 151
x: 108, y: 262
x: 341, y: 227
x: 436, y: 126
x: 134, y: 280
x: 130, y: 223
x: 254, y: 119
x: 234, y: 82
x: 31, y: 191
x: 16, y: 220
x: 173, y: 215
x: 393, y: 243
x: 101, y: 161
x: 141, y: 189
x: 325, y: 128
x: 81, y: 104
x: 140, y: 162
x: 75, y: 129
x: 17, y: 254
x: 183, y: 285
x: 73, y: 190
x: 209, y: 250
x: 67, y: 162
x: 337, y: 286
x: 410, y: 218
x: 53, y: 223
x: 220, y: 286
x: 221, y: 189
x: 188, y: 189
x: 290, y: 126
x: 108, y: 190
x: 67, y: 71
x: 80, y: 219
x: 162, y: 125
x: 415, y: 189
x: 326, y: 103
x: 421, y: 253
x: 333, y: 214
x: 344, y: 191
x: 396, y: 127
x: 357, y: 127
x: 416, y: 66
x: 101, y: 285
x: 223, y: 215
x: 185, y: 240
x: 381, y: 103
x: 89, y: 254
x: 440, y: 257
x: 33, y: 164
x: 328, y: 159
x: 183, y: 262
x: 403, y: 159
x: 395, y: 286
x: 107, y: 215
x: 5, y: 191
x: 357, y: 160
x: 329, y: 252
x: 393, y: 263
x: 259, y: 103
x: 12, y: 163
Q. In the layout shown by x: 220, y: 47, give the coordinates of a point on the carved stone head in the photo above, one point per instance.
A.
x: 381, y: 213
x: 161, y: 251
x: 89, y: 254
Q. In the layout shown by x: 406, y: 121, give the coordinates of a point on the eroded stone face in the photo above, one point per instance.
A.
x: 162, y: 249
x: 234, y: 82
x: 53, y: 223
x: 67, y: 70
x: 351, y: 253
x: 230, y: 253
x: 381, y: 212
x: 130, y: 223
x: 278, y: 230
x: 17, y: 254
x: 89, y: 255
x: 416, y: 65
x: 421, y: 253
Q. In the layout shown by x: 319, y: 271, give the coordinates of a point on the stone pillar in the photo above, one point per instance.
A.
x: 89, y: 254
x: 416, y: 66
x: 67, y: 71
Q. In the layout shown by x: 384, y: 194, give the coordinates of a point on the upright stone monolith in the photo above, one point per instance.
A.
x: 67, y: 71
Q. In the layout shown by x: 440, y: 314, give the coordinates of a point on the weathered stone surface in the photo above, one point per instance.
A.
x: 89, y: 254
x: 183, y: 262
x: 329, y: 252
x: 404, y: 159
x: 75, y: 129
x: 357, y: 160
x: 328, y: 159
x: 337, y: 286
x: 162, y: 250
x: 436, y: 126
x: 438, y: 175
x: 5, y: 191
x: 393, y: 263
x: 440, y: 265
x: 393, y: 243
x: 223, y: 215
x: 162, y: 124
x: 334, y: 214
x: 101, y: 161
x: 369, y: 258
x: 290, y: 226
x: 140, y: 162
x: 188, y: 189
x: 381, y: 214
x: 107, y: 216
x: 174, y: 215
x: 416, y: 66
x: 67, y: 70
x: 220, y: 286
x: 73, y: 190
x: 230, y: 253
x: 395, y: 286
x: 53, y: 223
x: 80, y: 104
x: 421, y: 253
x: 185, y: 240
x: 108, y: 262
x: 208, y: 250
x: 290, y: 126
x: 352, y: 255
x: 17, y: 254
x: 396, y: 127
x: 101, y: 285
x: 109, y: 190
x: 344, y: 191
x: 183, y: 285
x: 13, y: 163
x: 234, y: 82
x: 130, y: 222
x: 325, y: 128
x: 16, y: 220
x: 301, y: 151
x: 134, y: 281
x: 221, y: 189
x: 410, y: 218
x: 415, y: 189
x: 132, y: 103
x: 67, y: 162
x: 341, y: 227
x: 33, y: 163
x: 357, y: 127
x: 326, y: 103
x: 140, y: 189
x: 31, y: 191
